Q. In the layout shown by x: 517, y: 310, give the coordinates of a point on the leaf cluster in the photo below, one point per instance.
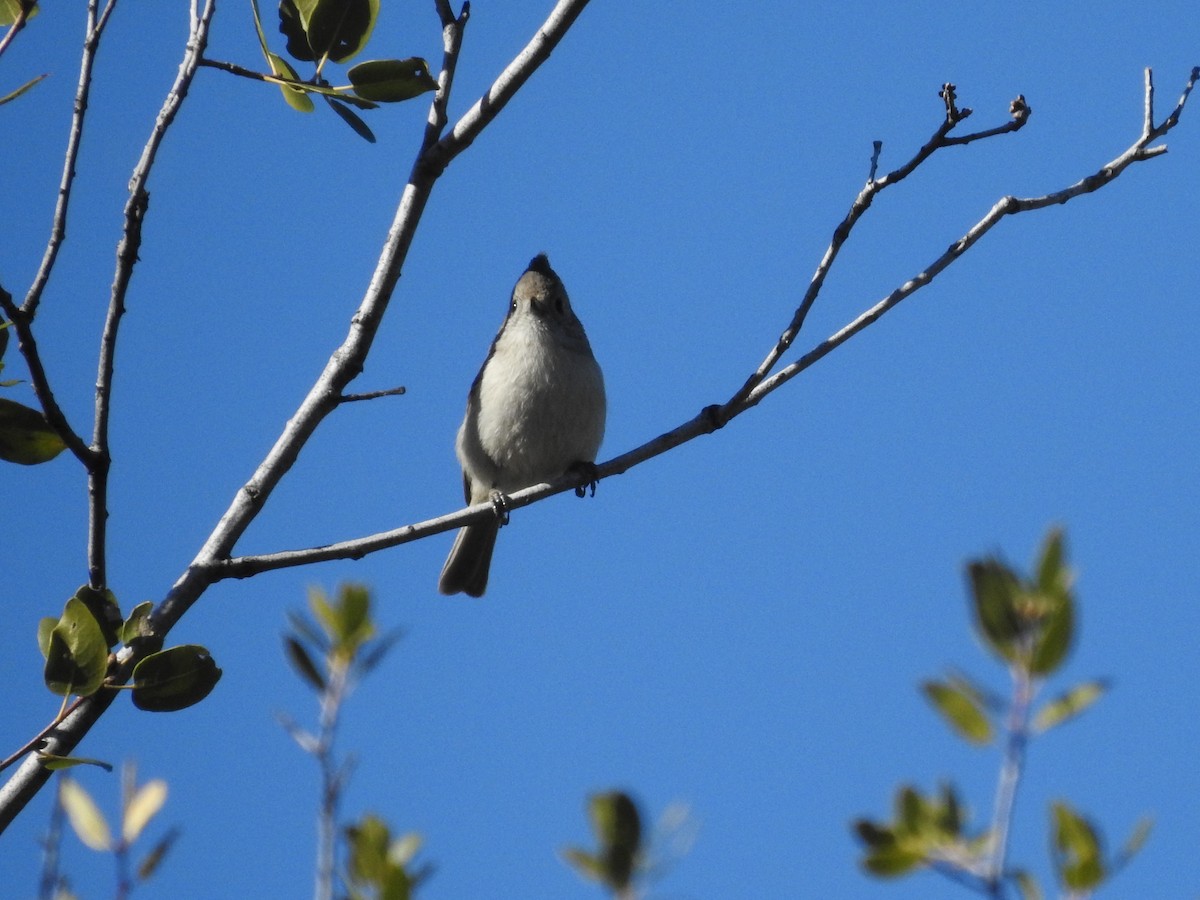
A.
x: 139, y: 805
x: 619, y: 855
x: 78, y: 645
x: 324, y: 31
x: 1028, y: 622
x: 380, y: 866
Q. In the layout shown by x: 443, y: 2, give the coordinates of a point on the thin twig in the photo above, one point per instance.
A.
x: 1010, y: 777
x: 372, y: 395
x: 17, y: 24
x: 28, y: 348
x: 58, y: 228
x: 127, y: 257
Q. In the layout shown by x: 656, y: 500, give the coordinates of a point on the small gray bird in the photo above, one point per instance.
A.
x: 535, y: 410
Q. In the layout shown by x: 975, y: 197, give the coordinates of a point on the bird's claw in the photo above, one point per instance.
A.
x: 500, y: 507
x: 588, y: 471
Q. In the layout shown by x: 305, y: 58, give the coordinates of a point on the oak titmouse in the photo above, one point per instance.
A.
x: 535, y: 410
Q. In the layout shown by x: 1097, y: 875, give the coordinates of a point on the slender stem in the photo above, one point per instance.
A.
x: 58, y: 228
x: 331, y: 781
x: 27, y: 345
x: 17, y: 24
x: 127, y: 257
x: 51, y: 845
x: 1010, y: 776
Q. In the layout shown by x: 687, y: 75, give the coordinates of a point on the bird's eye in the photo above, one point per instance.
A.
x: 558, y: 304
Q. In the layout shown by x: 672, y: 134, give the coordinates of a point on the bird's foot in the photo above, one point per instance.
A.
x: 588, y: 471
x: 500, y: 507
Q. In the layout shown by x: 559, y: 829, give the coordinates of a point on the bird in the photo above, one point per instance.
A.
x: 535, y: 411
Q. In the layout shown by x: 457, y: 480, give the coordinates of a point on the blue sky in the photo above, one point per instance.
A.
x: 739, y: 625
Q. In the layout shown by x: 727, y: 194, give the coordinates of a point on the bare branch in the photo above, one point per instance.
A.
x: 127, y: 257
x: 713, y: 417
x: 58, y: 228
x: 372, y: 395
x: 841, y: 233
x: 28, y: 348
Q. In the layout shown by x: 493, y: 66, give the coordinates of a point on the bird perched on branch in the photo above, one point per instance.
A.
x: 535, y: 410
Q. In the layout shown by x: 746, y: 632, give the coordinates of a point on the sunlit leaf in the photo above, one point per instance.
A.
x: 103, y: 605
x: 338, y: 29
x: 1069, y: 705
x: 77, y: 655
x: 297, y: 98
x: 55, y: 763
x: 45, y: 628
x: 11, y: 9
x: 25, y: 435
x: 1077, y: 852
x: 85, y: 817
x: 392, y: 80
x: 618, y: 827
x: 174, y: 679
x: 960, y: 710
x: 142, y: 808
x: 1055, y: 636
x: 13, y: 95
x: 138, y: 623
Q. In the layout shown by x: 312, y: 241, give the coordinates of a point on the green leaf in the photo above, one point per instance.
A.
x: 892, y: 862
x: 45, y: 627
x: 392, y: 80
x: 994, y: 589
x: 618, y: 827
x: 103, y: 605
x: 1136, y: 840
x: 10, y: 9
x: 368, y: 842
x: 960, y: 710
x: 352, y: 119
x: 1077, y: 853
x: 296, y: 97
x: 138, y: 623
x: 25, y: 435
x: 155, y: 857
x: 1053, y: 576
x: 346, y: 620
x: 584, y: 863
x: 1055, y: 635
x: 1069, y: 705
x: 1027, y: 885
x: 174, y: 679
x: 85, y: 817
x: 55, y: 763
x: 13, y: 95
x: 77, y: 654
x: 303, y: 663
x: 144, y: 805
x: 338, y: 29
